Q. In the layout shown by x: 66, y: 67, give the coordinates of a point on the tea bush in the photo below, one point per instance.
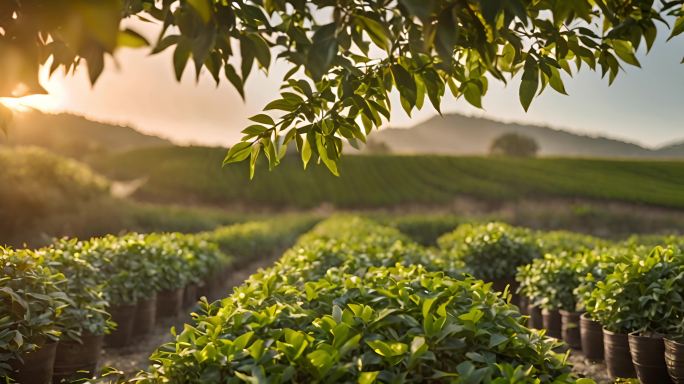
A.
x: 423, y: 229
x: 642, y: 295
x: 32, y: 301
x: 258, y: 239
x: 349, y: 304
x: 85, y: 288
x: 491, y: 251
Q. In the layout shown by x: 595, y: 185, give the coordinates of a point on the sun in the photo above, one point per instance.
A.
x: 45, y: 103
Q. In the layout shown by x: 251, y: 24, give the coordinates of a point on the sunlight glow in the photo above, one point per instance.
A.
x: 45, y: 103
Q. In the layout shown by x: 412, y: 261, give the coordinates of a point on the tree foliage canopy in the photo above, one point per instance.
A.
x: 513, y: 144
x: 345, y: 57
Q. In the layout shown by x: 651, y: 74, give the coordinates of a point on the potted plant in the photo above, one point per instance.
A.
x: 594, y: 266
x: 85, y: 323
x: 635, y: 306
x: 551, y: 281
x: 172, y: 272
x: 492, y: 252
x: 130, y: 272
x: 32, y: 300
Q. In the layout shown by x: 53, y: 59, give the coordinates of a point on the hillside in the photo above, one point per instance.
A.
x: 75, y: 136
x: 194, y: 175
x: 460, y: 135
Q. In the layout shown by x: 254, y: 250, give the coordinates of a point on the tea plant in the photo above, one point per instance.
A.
x: 85, y: 287
x: 491, y: 251
x: 32, y: 302
x: 642, y: 295
x: 349, y: 303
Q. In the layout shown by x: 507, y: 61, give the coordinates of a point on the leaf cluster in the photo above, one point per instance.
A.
x: 490, y: 251
x: 320, y: 316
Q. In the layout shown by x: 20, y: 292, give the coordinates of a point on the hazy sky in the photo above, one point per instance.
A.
x: 644, y: 105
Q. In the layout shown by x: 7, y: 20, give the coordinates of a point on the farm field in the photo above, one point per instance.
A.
x: 351, y: 300
x: 194, y: 175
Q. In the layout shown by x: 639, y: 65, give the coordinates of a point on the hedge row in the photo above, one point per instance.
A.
x: 357, y: 302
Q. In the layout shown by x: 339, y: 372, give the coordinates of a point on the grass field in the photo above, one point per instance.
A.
x: 194, y: 174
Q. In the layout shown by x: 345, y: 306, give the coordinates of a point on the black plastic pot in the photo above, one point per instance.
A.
x: 674, y: 359
x: 36, y: 367
x: 77, y: 361
x: 523, y: 303
x: 145, y: 316
x: 617, y: 355
x: 124, y: 317
x: 648, y: 356
x: 536, y: 318
x: 169, y: 303
x: 190, y: 296
x: 592, y: 338
x: 552, y: 323
x: 570, y: 329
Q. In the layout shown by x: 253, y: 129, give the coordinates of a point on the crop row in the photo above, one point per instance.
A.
x: 622, y: 303
x: 354, y: 301
x: 60, y: 303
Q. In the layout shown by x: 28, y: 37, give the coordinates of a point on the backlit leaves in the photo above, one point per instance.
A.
x: 350, y: 57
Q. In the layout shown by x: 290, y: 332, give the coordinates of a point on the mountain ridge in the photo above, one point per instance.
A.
x: 461, y: 135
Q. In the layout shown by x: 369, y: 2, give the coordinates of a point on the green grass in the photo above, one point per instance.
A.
x: 194, y: 174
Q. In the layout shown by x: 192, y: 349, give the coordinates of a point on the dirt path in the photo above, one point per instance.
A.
x: 134, y: 358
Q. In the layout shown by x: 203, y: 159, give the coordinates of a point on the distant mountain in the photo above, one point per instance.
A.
x: 671, y: 150
x: 456, y: 134
x: 75, y: 136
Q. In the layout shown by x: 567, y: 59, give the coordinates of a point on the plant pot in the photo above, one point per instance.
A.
x: 77, y: 361
x: 145, y: 316
x: 523, y: 303
x: 592, y: 338
x: 124, y: 317
x: 169, y: 303
x: 36, y: 367
x: 190, y: 295
x: 617, y: 355
x: 536, y: 319
x: 552, y: 323
x: 500, y: 284
x: 674, y: 359
x: 648, y: 356
x: 570, y: 329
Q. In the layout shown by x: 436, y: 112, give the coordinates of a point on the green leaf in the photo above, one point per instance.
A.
x: 625, y: 51
x: 263, y: 119
x: 473, y: 94
x: 323, y: 51
x: 556, y: 81
x: 530, y: 83
x: 368, y: 377
x: 202, y: 8
x: 235, y: 79
x: 678, y: 27
x: 406, y: 84
x: 238, y: 152
x: 378, y: 32
x: 180, y: 59
x: 131, y: 39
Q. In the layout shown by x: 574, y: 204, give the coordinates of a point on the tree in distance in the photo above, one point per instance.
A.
x: 514, y: 145
x: 377, y: 147
x: 345, y: 57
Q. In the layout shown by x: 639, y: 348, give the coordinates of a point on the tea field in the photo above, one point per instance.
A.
x: 351, y: 300
x: 195, y: 175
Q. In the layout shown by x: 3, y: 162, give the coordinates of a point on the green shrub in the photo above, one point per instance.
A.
x: 127, y: 265
x: 491, y: 251
x: 643, y: 295
x: 32, y: 300
x: 339, y: 308
x: 246, y: 242
x: 423, y: 229
x: 566, y: 241
x: 85, y: 288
